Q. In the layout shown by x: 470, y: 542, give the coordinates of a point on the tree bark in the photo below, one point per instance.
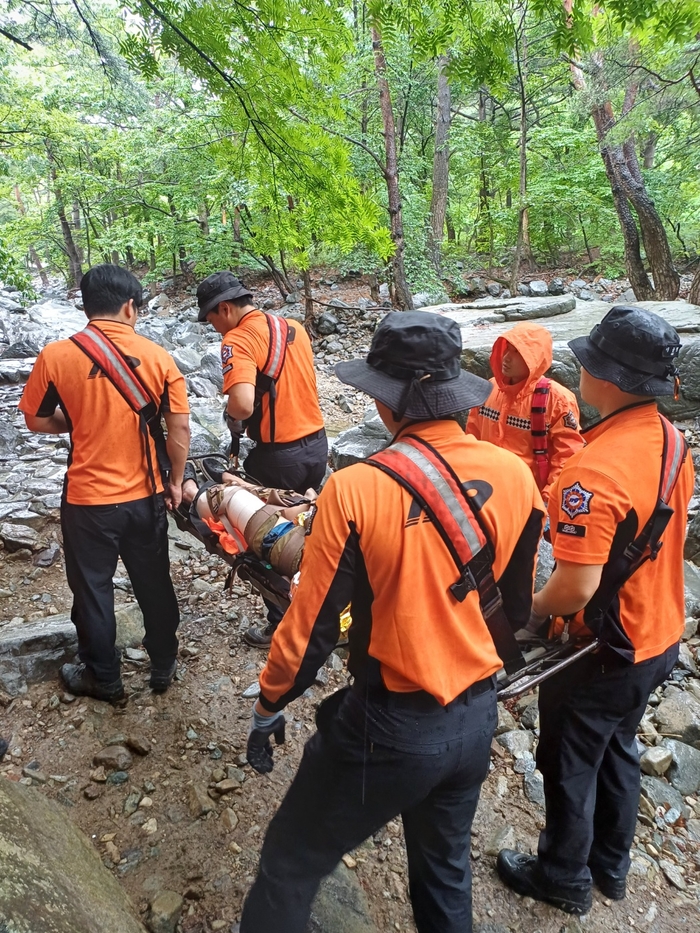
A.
x: 441, y: 165
x: 523, y: 250
x: 75, y: 269
x: 33, y: 255
x: 309, y: 316
x: 694, y: 293
x: 391, y: 175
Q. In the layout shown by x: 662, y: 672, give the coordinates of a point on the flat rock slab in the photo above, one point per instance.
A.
x: 51, y: 878
x: 341, y: 905
x: 482, y: 321
x: 31, y: 652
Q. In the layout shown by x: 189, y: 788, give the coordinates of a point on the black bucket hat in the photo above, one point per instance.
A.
x: 634, y: 349
x: 219, y: 286
x: 413, y: 367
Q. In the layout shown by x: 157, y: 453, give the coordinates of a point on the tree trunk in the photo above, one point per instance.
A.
x: 309, y: 316
x: 441, y: 165
x: 280, y: 279
x: 483, y: 226
x: 523, y: 251
x: 694, y: 293
x: 75, y: 269
x: 33, y: 255
x: 391, y: 175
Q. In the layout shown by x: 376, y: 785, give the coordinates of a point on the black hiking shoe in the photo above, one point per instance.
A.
x: 81, y: 682
x: 610, y: 885
x: 161, y: 678
x: 3, y: 748
x: 523, y: 874
x: 214, y: 468
x: 190, y: 471
x: 260, y: 636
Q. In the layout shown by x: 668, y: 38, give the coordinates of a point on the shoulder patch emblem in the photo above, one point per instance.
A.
x: 570, y: 420
x: 575, y: 500
x: 226, y: 354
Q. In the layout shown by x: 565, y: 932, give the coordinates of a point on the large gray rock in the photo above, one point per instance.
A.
x: 20, y: 350
x: 210, y: 368
x: 341, y: 906
x: 31, y: 652
x: 565, y: 317
x: 16, y: 536
x: 358, y: 443
x: 679, y: 715
x: 684, y: 772
x: 539, y: 288
x: 187, y: 360
x: 662, y: 795
x: 51, y: 879
x: 10, y: 439
x: 326, y: 324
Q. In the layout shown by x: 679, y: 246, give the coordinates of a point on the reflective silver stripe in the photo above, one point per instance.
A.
x: 435, y: 477
x: 123, y: 373
x: 675, y: 465
x: 272, y: 368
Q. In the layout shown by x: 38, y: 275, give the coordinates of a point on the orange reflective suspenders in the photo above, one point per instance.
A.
x: 538, y: 431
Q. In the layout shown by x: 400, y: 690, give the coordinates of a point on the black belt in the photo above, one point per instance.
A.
x: 301, y: 442
x: 420, y: 700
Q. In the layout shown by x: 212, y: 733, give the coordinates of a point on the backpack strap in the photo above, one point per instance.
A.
x: 281, y: 335
x: 426, y: 475
x: 109, y: 359
x: 538, y: 430
x: 644, y: 547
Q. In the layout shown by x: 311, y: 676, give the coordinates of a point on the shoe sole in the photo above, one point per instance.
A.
x: 560, y: 903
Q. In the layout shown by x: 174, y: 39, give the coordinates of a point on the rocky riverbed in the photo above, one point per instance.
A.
x: 161, y: 786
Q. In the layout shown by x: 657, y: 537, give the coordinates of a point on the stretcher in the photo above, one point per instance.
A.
x: 538, y: 662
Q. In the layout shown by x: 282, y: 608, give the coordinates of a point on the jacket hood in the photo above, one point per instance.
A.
x: 534, y: 343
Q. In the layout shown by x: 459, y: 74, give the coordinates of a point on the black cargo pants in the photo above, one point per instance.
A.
x: 588, y: 756
x: 378, y: 757
x: 94, y: 537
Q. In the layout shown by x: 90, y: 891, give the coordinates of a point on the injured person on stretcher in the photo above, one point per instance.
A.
x: 270, y: 523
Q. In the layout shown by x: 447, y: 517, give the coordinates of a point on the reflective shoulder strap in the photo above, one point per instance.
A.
x: 674, y: 455
x: 100, y: 349
x: 424, y: 473
x: 276, y: 354
x: 538, y: 430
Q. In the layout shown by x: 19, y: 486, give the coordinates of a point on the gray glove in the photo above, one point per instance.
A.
x: 259, y: 751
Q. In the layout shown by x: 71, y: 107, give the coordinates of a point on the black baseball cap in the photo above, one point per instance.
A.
x: 634, y: 349
x: 413, y: 367
x: 219, y: 286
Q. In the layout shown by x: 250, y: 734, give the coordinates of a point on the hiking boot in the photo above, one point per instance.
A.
x: 81, y: 682
x: 523, y: 874
x: 260, y: 636
x: 162, y: 677
x: 610, y: 885
x: 214, y: 468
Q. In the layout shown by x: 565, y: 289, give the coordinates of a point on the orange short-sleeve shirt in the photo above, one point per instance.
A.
x: 244, y: 351
x: 615, y: 480
x: 107, y: 463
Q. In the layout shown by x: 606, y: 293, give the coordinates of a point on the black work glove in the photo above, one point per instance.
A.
x: 259, y: 751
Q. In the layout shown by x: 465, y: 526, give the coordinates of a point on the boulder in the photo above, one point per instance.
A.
x: 187, y: 360
x: 32, y: 652
x: 210, y: 368
x: 341, y: 905
x: 10, y: 439
x: 662, y: 795
x: 360, y: 442
x: 539, y: 288
x: 656, y: 761
x: 201, y: 388
x: 16, y: 536
x: 518, y: 742
x: 51, y: 878
x: 679, y: 715
x: 21, y: 350
x: 556, y: 286
x: 684, y: 772
x: 326, y: 324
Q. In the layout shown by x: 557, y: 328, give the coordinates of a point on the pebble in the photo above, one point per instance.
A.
x: 199, y: 801
x: 672, y: 874
x: 114, y: 757
x: 656, y: 761
x: 131, y: 804
x: 501, y: 838
x: 98, y: 775
x: 150, y: 827
x: 138, y: 744
x: 251, y: 692
x: 118, y: 777
x: 229, y: 819
x: 166, y: 908
x: 91, y: 792
x: 146, y: 803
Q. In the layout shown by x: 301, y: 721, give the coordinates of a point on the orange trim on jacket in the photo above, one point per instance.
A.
x: 504, y: 419
x: 370, y: 545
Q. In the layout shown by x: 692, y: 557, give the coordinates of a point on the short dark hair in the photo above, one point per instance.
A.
x: 105, y: 288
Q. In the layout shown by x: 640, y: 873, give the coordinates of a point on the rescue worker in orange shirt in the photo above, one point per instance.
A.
x: 113, y: 498
x: 513, y: 417
x: 270, y: 382
x: 589, y: 714
x: 412, y: 735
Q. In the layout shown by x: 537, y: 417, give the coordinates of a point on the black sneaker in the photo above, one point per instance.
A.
x: 81, y: 682
x: 610, y: 885
x: 260, y: 636
x: 214, y: 468
x: 161, y: 678
x: 523, y: 874
x: 189, y: 472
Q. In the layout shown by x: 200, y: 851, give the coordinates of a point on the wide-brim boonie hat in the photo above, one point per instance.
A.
x: 219, y: 286
x: 413, y: 367
x: 634, y: 349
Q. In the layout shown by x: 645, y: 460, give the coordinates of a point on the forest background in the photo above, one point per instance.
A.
x: 410, y: 140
